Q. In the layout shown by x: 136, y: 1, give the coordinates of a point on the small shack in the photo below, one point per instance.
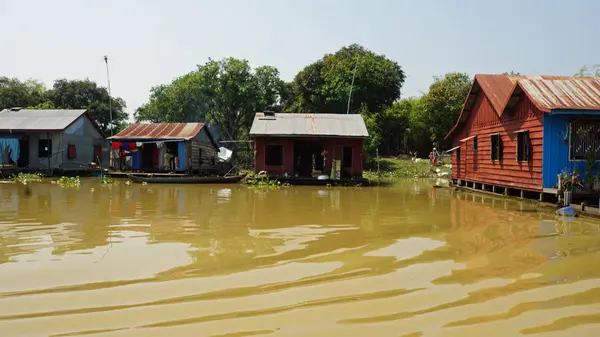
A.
x: 516, y: 134
x: 309, y: 145
x: 50, y: 140
x: 164, y: 147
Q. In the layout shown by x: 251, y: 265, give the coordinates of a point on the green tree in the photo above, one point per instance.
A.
x: 442, y: 105
x: 592, y: 71
x: 324, y: 86
x: 86, y: 94
x: 227, y: 93
x: 16, y: 93
x: 512, y: 73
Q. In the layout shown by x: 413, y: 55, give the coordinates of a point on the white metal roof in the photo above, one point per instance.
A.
x: 38, y: 120
x: 317, y: 125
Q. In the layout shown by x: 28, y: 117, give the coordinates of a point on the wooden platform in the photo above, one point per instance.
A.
x: 125, y: 174
x: 313, y: 181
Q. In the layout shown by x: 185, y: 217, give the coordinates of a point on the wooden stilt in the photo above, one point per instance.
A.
x: 522, y: 194
x: 541, y: 196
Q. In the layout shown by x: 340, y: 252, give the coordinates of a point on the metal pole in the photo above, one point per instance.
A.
x: 109, y: 95
x: 352, y: 85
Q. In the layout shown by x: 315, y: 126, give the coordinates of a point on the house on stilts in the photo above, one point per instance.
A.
x: 58, y: 141
x: 300, y: 148
x: 164, y: 147
x: 517, y: 134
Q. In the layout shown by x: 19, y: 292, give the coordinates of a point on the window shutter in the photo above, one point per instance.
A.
x: 500, y: 148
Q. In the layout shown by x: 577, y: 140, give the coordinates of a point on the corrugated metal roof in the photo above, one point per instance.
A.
x: 288, y: 124
x: 558, y: 92
x: 547, y: 93
x: 160, y: 131
x: 38, y: 120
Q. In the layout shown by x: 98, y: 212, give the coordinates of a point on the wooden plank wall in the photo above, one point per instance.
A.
x: 209, y: 155
x: 506, y: 172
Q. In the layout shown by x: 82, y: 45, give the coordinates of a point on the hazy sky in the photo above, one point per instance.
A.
x: 151, y: 42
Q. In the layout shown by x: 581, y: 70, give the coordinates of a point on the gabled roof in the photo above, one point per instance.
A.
x: 315, y: 125
x: 26, y: 120
x: 547, y: 93
x: 183, y: 131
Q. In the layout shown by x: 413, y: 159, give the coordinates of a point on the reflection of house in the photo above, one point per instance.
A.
x: 510, y: 124
x: 152, y: 146
x: 300, y: 144
x: 50, y: 139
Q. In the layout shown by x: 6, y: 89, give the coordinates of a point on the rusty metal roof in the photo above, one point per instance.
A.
x: 318, y: 125
x: 559, y: 92
x: 159, y: 131
x: 38, y: 120
x: 547, y: 93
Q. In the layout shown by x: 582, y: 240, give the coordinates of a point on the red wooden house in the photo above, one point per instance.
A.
x: 306, y: 145
x: 520, y: 132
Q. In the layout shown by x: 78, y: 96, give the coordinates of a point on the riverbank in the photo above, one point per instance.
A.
x: 394, y: 168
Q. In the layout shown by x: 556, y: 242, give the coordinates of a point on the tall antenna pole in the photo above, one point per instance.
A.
x: 109, y: 95
x: 352, y: 85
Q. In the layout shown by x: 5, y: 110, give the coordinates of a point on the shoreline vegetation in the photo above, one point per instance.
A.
x: 392, y: 169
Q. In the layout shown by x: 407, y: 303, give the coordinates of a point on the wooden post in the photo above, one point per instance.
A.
x: 483, y: 187
x: 506, y: 191
x: 541, y: 196
x: 522, y: 194
x: 494, y: 188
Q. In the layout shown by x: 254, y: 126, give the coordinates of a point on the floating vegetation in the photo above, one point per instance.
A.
x: 26, y: 178
x: 107, y: 180
x: 261, y: 181
x: 69, y: 182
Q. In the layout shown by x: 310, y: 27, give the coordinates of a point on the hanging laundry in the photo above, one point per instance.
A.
x: 116, y: 145
x: 160, y: 144
x: 13, y: 148
x: 139, y: 144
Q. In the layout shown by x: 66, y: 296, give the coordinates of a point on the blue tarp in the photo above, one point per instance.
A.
x: 181, y: 153
x: 13, y: 146
x: 135, y: 160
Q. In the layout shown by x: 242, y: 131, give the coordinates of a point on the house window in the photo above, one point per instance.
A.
x: 44, y: 148
x: 523, y: 146
x: 475, y: 145
x: 274, y: 155
x: 458, y: 155
x: 496, y: 150
x: 585, y: 139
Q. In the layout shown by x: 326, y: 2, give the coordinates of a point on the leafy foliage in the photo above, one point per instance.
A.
x: 592, y: 71
x: 227, y: 93
x: 86, y: 94
x: 15, y: 93
x: 324, y: 86
x: 64, y: 94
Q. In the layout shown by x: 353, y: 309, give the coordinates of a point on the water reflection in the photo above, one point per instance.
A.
x: 133, y: 260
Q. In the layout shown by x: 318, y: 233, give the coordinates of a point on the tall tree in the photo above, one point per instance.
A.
x: 443, y: 103
x: 16, y: 93
x: 324, y: 86
x: 512, y: 73
x: 227, y: 93
x: 86, y: 94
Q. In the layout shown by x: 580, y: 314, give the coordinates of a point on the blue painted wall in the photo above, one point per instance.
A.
x: 556, y: 152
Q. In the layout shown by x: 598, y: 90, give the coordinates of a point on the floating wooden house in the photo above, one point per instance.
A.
x: 309, y: 145
x: 50, y: 140
x: 520, y: 132
x: 149, y: 147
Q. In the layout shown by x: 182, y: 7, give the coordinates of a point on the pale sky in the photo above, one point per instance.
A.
x: 152, y: 42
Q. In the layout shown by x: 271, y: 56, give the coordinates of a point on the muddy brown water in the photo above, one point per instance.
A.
x: 200, y: 260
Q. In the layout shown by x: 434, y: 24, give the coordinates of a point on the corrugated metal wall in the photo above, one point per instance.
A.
x: 556, y: 150
x: 84, y: 136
